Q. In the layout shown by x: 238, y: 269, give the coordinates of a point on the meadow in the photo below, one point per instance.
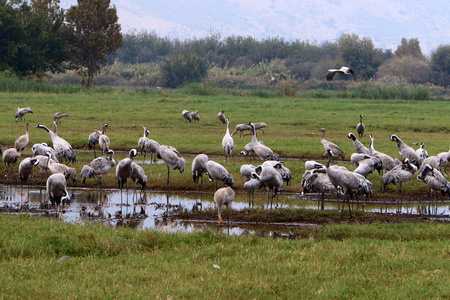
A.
x: 293, y: 126
x: 44, y: 258
x: 41, y: 257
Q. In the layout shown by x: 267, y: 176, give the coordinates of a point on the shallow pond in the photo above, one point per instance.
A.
x: 158, y: 210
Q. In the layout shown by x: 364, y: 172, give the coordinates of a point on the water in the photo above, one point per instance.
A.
x: 158, y: 211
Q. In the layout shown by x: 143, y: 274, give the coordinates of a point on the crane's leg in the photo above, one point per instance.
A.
x: 168, y: 172
x: 323, y: 200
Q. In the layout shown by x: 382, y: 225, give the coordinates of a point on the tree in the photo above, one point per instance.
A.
x: 408, y: 67
x: 11, y: 35
x: 409, y: 47
x: 179, y: 69
x: 360, y: 55
x: 93, y: 32
x: 32, y: 38
x: 440, y: 63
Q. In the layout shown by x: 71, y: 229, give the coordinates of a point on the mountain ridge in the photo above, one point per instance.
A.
x: 385, y: 22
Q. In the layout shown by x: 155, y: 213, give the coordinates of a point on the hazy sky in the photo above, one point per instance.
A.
x: 386, y: 22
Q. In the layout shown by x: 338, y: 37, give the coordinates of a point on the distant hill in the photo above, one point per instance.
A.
x: 386, y: 22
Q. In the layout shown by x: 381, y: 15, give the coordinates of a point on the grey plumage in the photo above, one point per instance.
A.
x: 311, y: 164
x: 434, y: 179
x: 260, y: 126
x: 356, y: 157
x: 148, y: 145
x: 124, y: 169
x: 261, y: 150
x: 360, y: 127
x: 61, y: 146
x: 93, y: 140
x: 43, y: 163
x: 270, y: 178
x: 172, y: 158
x: 198, y: 168
x: 59, y: 115
x: 252, y: 185
x: 103, y: 140
x: 187, y: 117
x: 359, y: 147
x: 26, y: 168
x: 444, y: 158
x: 21, y: 112
x: 223, y: 196
x: 221, y: 116
x: 138, y: 176
x: 55, y: 168
x: 194, y: 116
x: 217, y: 172
x: 241, y: 128
x: 399, y: 174
x: 368, y: 165
x: 285, y: 173
x: 10, y: 157
x: 405, y: 151
x: 98, y: 167
x: 57, y: 189
x: 433, y: 161
x: 317, y: 181
x: 422, y: 153
x: 248, y: 151
x: 388, y: 163
x: 335, y: 150
x: 348, y: 181
x: 23, y: 140
x: 246, y: 171
x: 246, y: 127
x: 228, y: 142
x: 365, y: 186
x: 42, y: 149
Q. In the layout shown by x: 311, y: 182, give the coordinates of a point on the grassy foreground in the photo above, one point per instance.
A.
x: 43, y: 258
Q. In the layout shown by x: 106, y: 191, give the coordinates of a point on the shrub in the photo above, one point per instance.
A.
x: 179, y: 69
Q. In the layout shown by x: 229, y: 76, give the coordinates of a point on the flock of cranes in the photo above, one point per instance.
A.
x: 270, y: 173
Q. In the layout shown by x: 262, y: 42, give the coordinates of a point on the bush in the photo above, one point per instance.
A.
x: 180, y: 69
x: 407, y: 67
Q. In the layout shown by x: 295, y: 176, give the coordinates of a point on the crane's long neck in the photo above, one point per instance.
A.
x: 323, y: 135
x: 329, y: 160
x: 48, y: 159
x: 56, y: 127
x: 145, y: 131
x: 254, y: 139
x: 52, y: 134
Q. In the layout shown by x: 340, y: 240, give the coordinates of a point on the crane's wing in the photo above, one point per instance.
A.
x: 330, y: 74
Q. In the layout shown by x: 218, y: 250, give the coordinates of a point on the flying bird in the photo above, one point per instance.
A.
x: 342, y: 71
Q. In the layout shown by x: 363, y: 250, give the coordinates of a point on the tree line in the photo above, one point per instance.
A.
x: 304, y: 60
x: 37, y: 37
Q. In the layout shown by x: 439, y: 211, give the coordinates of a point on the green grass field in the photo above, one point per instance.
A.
x: 42, y: 258
x: 293, y: 130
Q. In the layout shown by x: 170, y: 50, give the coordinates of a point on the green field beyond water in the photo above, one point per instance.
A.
x: 41, y: 258
x: 293, y: 125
